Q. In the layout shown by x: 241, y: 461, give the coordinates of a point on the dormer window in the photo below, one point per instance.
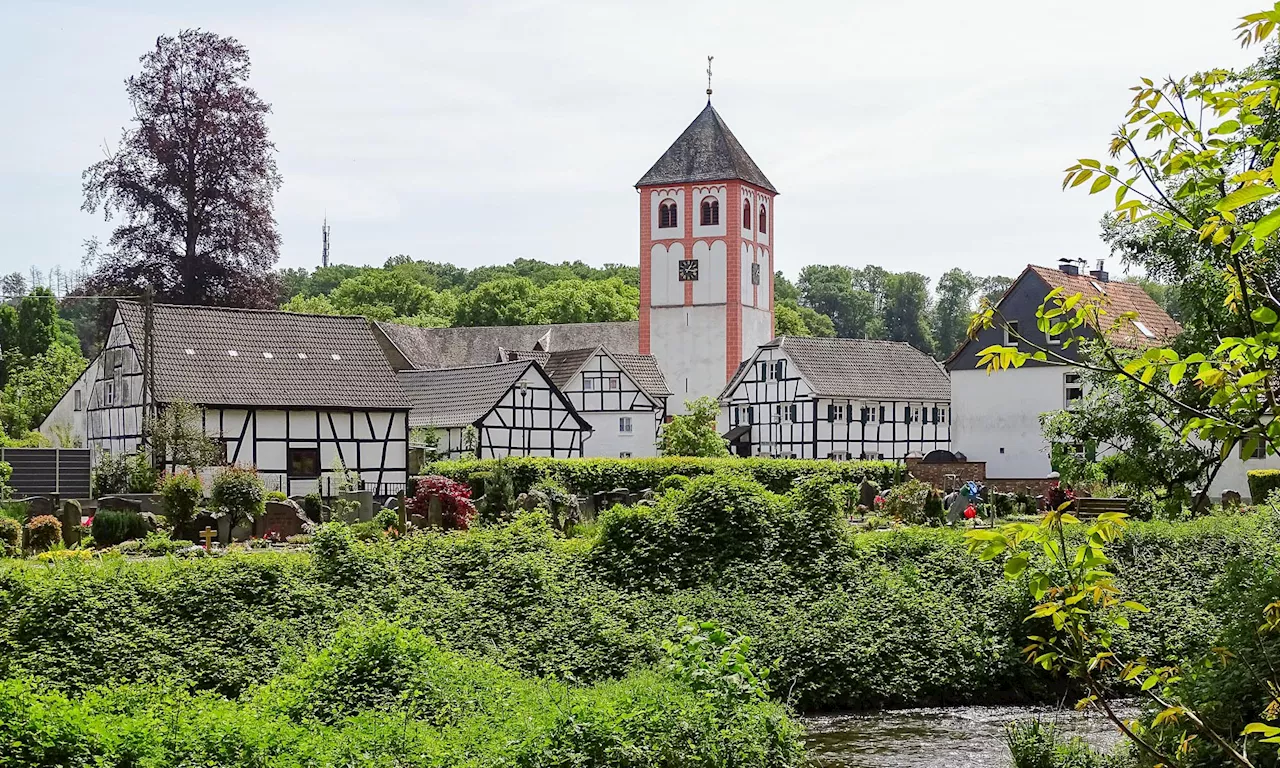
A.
x: 746, y: 215
x: 710, y: 212
x: 764, y: 221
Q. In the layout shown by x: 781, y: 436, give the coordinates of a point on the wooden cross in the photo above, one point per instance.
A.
x: 207, y: 534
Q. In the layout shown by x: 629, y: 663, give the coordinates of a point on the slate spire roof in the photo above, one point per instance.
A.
x: 706, y: 151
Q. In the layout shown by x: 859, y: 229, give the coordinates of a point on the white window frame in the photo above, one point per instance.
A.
x: 625, y: 425
x: 588, y: 384
x: 613, y: 383
x: 838, y: 456
x: 837, y: 412
x: 1259, y: 452
x: 109, y: 392
x: 1068, y: 385
x: 1010, y: 325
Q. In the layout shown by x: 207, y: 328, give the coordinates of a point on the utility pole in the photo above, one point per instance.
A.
x: 148, y: 366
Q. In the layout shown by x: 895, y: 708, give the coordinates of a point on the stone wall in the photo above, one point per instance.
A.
x: 936, y: 474
x: 1035, y: 486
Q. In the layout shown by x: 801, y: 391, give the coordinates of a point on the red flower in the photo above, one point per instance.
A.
x: 879, y: 500
x: 970, y: 512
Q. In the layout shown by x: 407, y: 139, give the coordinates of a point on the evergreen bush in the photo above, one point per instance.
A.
x: 1262, y: 482
x: 113, y: 526
x: 10, y: 537
x: 181, y: 493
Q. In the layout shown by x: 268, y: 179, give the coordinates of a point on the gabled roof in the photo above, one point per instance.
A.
x: 706, y: 151
x: 455, y: 347
x: 456, y: 397
x: 562, y: 366
x: 282, y: 359
x: 1118, y: 298
x: 866, y: 369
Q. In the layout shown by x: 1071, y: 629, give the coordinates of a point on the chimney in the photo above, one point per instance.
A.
x: 1100, y: 274
x: 1068, y: 266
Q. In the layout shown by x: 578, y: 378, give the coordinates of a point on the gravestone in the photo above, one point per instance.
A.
x: 1231, y: 498
x: 867, y: 494
x: 365, y: 499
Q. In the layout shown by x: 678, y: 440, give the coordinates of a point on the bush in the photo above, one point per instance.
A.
x: 387, y: 519
x: 113, y: 526
x: 588, y: 477
x: 181, y: 493
x: 456, y: 508
x: 10, y: 537
x: 313, y: 505
x: 672, y: 482
x: 159, y: 544
x: 909, y: 503
x: 276, y: 496
x: 1035, y: 744
x: 1262, y: 482
x: 43, y: 532
x: 123, y: 473
x: 238, y: 492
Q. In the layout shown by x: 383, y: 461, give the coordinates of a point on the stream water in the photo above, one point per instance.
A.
x: 950, y: 737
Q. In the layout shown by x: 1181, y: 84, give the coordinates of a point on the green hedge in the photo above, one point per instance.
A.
x: 590, y: 476
x: 386, y: 696
x: 1262, y: 482
x: 853, y: 621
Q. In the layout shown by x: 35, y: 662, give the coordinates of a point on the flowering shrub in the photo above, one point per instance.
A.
x: 1058, y: 496
x: 909, y: 502
x: 238, y: 491
x: 43, y: 532
x: 64, y: 555
x: 456, y: 507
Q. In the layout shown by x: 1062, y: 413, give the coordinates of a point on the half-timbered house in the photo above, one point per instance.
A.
x: 293, y: 395
x: 811, y: 398
x: 623, y: 397
x: 512, y: 409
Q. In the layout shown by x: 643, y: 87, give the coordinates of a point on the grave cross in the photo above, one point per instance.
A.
x: 207, y: 534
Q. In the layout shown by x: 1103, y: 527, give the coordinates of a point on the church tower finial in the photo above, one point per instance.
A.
x: 709, y: 58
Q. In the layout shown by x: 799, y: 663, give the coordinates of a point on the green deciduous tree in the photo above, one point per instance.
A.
x: 694, y: 433
x: 37, y: 322
x: 905, y: 309
x: 586, y: 301
x: 505, y: 301
x: 954, y: 307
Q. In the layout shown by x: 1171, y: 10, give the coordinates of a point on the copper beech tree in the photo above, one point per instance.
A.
x: 191, y: 181
x: 1193, y: 155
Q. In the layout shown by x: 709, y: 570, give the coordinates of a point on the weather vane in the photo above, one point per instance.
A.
x: 709, y: 58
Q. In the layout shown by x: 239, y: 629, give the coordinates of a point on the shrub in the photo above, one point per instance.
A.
x: 1262, y: 482
x: 10, y: 537
x: 181, y: 493
x: 1035, y: 744
x: 113, y: 526
x: 43, y: 532
x: 456, y: 508
x: 387, y: 519
x: 158, y: 544
x: 672, y: 482
x: 313, y: 505
x: 123, y: 473
x: 909, y: 502
x: 588, y: 477
x: 498, y: 500
x: 238, y: 492
x: 276, y: 496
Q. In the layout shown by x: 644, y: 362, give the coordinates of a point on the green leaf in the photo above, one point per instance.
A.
x: 1099, y: 184
x: 1120, y: 621
x: 1016, y: 565
x: 1176, y: 372
x: 1267, y: 224
x: 1242, y: 196
x: 1265, y: 315
x: 1252, y: 377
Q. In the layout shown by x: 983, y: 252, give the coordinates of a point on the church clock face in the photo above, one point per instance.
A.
x: 688, y: 270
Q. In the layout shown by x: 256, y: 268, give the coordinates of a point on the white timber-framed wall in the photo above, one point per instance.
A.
x: 786, y: 418
x: 625, y: 421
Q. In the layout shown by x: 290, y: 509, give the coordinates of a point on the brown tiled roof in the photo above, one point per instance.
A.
x: 455, y: 347
x: 645, y: 372
x: 1118, y: 298
x: 706, y: 151
x: 281, y: 359
x: 863, y: 369
x: 456, y: 397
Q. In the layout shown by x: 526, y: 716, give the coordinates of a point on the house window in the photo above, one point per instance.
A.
x: 764, y: 220
x: 710, y: 212
x: 1011, y: 333
x: 871, y: 456
x: 780, y: 371
x: 304, y: 462
x: 1072, y: 390
x: 624, y: 425
x: 786, y: 413
x: 838, y: 455
x: 588, y: 385
x: 613, y: 382
x: 1259, y: 451
x: 109, y: 392
x: 746, y: 215
x: 667, y: 214
x: 835, y: 412
x: 787, y: 455
x: 624, y: 455
x: 79, y: 401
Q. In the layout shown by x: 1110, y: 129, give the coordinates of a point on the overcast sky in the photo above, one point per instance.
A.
x: 914, y: 136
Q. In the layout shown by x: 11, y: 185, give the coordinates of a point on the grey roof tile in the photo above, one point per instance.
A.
x: 865, y: 368
x: 706, y: 151
x: 561, y: 366
x: 456, y: 397
x: 644, y: 371
x: 454, y: 347
x: 281, y: 359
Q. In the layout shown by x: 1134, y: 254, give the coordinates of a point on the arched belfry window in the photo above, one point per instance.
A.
x: 746, y: 215
x: 764, y: 221
x: 667, y: 214
x: 710, y: 212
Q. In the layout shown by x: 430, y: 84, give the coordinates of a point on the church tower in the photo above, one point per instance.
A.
x: 706, y: 259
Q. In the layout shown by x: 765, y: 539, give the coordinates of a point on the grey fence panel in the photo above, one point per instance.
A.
x: 42, y: 471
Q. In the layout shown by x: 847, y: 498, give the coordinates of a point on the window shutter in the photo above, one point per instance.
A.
x: 751, y: 414
x: 906, y: 414
x: 793, y: 413
x: 849, y: 413
x: 831, y: 412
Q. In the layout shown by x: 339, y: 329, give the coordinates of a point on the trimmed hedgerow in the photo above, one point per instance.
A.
x: 590, y: 476
x: 1262, y: 482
